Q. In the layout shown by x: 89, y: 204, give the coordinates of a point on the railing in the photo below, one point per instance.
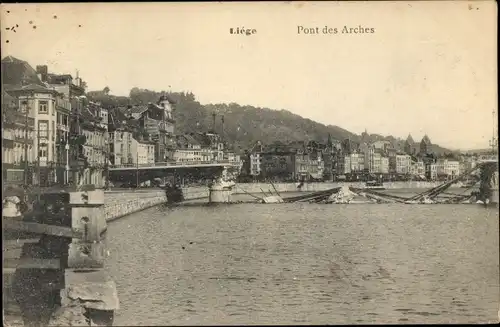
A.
x: 172, y: 163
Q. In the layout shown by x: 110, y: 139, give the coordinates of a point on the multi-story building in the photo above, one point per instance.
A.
x: 384, y: 165
x: 76, y: 120
x: 188, y: 149
x: 255, y: 163
x: 357, y: 162
x: 403, y: 164
x: 159, y: 122
x: 372, y: 160
x: 143, y: 151
x: 42, y: 102
x: 254, y: 159
x: 346, y: 165
x: 120, y: 138
x: 63, y: 112
x: 96, y: 145
x: 278, y: 162
x: 418, y: 168
x: 348, y: 146
x: 120, y: 147
x: 18, y: 127
x: 447, y: 168
x: 316, y: 165
x: 431, y: 171
x: 50, y: 111
x: 278, y: 166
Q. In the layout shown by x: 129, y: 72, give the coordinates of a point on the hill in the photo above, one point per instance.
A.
x: 243, y: 125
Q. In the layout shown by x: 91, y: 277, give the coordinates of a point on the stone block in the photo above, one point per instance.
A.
x: 87, y: 198
x: 93, y: 288
x: 86, y: 255
x: 89, y: 221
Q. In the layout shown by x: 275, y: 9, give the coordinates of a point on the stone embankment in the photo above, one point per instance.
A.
x: 125, y: 202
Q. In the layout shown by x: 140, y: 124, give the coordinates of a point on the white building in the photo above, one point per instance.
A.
x: 372, y: 160
x: 188, y: 155
x: 448, y: 168
x: 255, y: 161
x: 403, y: 164
x: 357, y: 162
x: 41, y: 102
x: 384, y: 165
x: 347, y: 165
x: 143, y: 153
x: 189, y: 150
x: 417, y: 168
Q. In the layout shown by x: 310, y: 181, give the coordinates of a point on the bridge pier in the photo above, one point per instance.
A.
x: 58, y: 277
x: 494, y: 198
x: 488, y: 188
x: 221, y: 189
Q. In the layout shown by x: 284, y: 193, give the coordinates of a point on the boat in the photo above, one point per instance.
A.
x: 374, y: 185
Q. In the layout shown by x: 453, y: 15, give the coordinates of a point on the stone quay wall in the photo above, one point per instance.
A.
x: 121, y: 203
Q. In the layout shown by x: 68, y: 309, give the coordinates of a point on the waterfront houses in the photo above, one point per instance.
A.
x: 40, y: 101
x: 158, y: 121
x: 189, y: 150
x: 254, y: 159
x: 17, y: 140
x: 350, y: 160
x: 278, y: 165
x: 143, y: 152
x: 447, y: 169
x: 53, y: 133
x: 69, y: 141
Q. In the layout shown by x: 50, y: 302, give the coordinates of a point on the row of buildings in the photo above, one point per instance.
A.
x: 50, y: 126
x: 349, y: 160
x: 52, y: 132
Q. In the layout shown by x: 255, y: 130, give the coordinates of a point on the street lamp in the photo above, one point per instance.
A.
x: 494, y: 144
x: 67, y: 163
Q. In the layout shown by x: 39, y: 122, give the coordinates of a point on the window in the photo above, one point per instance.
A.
x: 24, y: 106
x: 53, y: 130
x: 43, y: 128
x: 43, y: 107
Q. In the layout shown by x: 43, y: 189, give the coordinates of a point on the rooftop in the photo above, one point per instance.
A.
x: 18, y: 72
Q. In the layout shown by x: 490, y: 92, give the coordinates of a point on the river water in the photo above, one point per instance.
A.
x: 306, y: 264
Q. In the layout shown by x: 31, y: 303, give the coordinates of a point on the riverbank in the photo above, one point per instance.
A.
x: 122, y: 202
x: 316, y: 187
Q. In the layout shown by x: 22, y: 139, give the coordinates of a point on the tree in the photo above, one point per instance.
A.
x: 106, y: 90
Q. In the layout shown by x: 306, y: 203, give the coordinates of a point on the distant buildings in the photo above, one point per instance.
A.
x: 53, y: 134
x: 350, y: 160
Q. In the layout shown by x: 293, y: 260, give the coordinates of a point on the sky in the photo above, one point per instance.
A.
x: 428, y: 68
